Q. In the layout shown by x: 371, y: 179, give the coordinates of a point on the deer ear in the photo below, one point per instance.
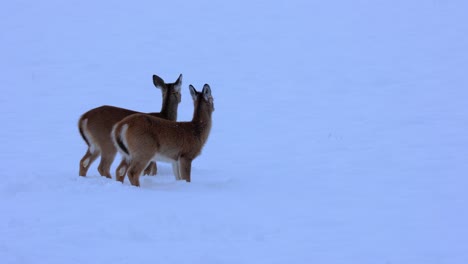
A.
x: 178, y: 83
x: 206, y: 92
x: 179, y: 80
x: 158, y: 82
x: 193, y: 92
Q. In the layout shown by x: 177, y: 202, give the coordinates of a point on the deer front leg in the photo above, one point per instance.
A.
x: 175, y: 170
x: 185, y: 167
x: 151, y: 170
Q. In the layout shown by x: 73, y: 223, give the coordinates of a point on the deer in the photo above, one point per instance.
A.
x: 142, y: 139
x: 95, y: 127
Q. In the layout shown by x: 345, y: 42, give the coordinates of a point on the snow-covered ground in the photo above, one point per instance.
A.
x: 339, y: 135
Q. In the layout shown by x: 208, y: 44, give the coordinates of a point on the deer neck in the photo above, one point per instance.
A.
x: 202, y: 121
x: 169, y: 107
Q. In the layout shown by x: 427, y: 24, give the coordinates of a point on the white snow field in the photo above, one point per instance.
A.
x: 340, y: 133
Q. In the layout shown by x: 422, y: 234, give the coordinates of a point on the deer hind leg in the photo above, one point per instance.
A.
x: 135, y: 169
x: 151, y: 170
x: 121, y: 170
x: 87, y: 160
x: 106, y: 161
x: 185, y: 167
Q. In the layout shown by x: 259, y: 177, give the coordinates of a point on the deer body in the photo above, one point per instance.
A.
x: 142, y: 139
x: 95, y: 127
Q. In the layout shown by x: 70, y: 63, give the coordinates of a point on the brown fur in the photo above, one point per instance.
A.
x: 95, y: 127
x: 147, y: 138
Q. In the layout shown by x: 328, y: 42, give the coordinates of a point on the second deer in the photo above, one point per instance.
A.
x: 142, y: 139
x: 95, y: 127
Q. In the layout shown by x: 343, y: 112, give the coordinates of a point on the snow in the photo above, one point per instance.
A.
x: 339, y: 134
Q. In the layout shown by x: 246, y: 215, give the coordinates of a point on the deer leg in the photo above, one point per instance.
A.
x: 86, y: 161
x: 105, y: 164
x: 121, y: 171
x: 185, y: 167
x: 175, y: 170
x: 151, y: 169
x: 134, y: 171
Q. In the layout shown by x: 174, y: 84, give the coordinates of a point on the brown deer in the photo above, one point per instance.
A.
x: 96, y: 126
x: 142, y: 139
